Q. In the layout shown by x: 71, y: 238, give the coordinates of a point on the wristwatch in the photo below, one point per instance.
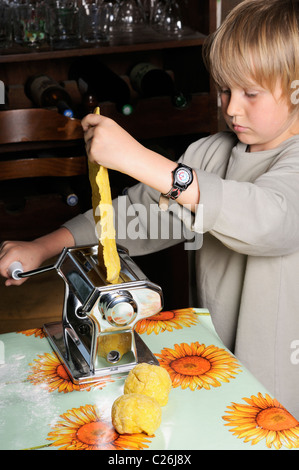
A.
x: 182, y: 178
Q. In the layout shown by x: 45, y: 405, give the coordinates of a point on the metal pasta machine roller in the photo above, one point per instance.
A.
x: 96, y: 336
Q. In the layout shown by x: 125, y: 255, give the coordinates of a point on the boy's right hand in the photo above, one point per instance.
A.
x: 32, y: 254
x: 27, y: 253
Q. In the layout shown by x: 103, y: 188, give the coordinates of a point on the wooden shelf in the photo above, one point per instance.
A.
x: 25, y: 168
x: 148, y: 40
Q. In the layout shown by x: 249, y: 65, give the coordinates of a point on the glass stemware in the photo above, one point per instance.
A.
x: 148, y: 8
x: 157, y: 14
x: 173, y: 24
x: 112, y: 9
x: 130, y: 16
x: 166, y: 17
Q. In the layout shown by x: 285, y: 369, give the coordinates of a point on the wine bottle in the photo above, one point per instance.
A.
x: 89, y: 103
x: 62, y: 186
x: 63, y: 108
x: 67, y: 193
x: 150, y: 81
x: 71, y: 199
x: 95, y: 78
x: 45, y: 92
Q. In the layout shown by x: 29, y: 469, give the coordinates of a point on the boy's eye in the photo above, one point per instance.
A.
x: 225, y: 91
x: 251, y: 94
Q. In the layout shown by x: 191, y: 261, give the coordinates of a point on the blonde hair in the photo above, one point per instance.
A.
x: 257, y: 42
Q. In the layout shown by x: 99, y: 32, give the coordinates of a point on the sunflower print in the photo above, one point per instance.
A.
x: 263, y: 418
x: 49, y: 372
x: 84, y: 429
x: 197, y: 366
x: 167, y: 321
x: 36, y: 332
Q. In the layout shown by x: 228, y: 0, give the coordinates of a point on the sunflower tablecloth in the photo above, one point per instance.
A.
x: 215, y: 403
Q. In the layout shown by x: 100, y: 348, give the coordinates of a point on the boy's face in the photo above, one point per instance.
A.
x: 259, y: 118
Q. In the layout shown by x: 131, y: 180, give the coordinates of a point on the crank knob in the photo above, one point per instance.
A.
x: 15, y: 269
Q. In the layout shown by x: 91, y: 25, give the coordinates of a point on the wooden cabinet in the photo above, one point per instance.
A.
x: 155, y: 122
x: 152, y: 118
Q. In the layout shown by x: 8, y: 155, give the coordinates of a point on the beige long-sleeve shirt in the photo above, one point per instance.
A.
x: 245, y: 267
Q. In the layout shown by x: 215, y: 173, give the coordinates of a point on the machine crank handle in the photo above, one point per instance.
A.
x: 16, y: 271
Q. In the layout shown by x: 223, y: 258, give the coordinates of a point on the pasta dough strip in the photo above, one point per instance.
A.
x: 103, y: 216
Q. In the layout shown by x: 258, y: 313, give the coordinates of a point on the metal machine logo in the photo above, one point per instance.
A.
x: 2, y: 92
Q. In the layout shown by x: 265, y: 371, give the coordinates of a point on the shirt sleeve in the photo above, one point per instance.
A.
x: 83, y: 229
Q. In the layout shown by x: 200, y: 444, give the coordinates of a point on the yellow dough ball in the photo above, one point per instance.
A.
x: 150, y: 380
x: 135, y: 413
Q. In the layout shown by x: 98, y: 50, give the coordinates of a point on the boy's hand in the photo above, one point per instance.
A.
x: 25, y: 252
x: 32, y: 254
x: 110, y: 145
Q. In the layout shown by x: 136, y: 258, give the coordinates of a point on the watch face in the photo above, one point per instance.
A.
x: 182, y: 176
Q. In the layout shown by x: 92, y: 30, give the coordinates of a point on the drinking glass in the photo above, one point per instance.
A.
x: 30, y: 24
x: 112, y: 7
x: 63, y: 19
x: 5, y: 26
x: 94, y: 21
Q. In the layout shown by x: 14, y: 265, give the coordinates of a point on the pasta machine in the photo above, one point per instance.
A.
x: 96, y: 336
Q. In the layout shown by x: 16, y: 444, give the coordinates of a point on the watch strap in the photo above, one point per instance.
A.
x: 173, y: 193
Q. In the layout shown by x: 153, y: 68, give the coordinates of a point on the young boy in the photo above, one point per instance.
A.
x: 246, y: 181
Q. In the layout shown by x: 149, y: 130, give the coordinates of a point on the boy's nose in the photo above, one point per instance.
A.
x: 234, y: 107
